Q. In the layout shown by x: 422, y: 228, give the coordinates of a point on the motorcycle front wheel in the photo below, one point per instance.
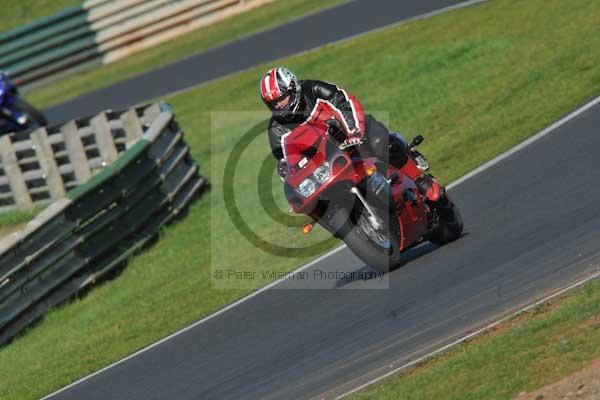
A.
x: 36, y: 117
x: 379, y: 247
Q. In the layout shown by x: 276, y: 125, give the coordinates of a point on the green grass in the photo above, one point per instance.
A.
x: 539, y: 348
x: 239, y: 26
x: 16, y: 13
x: 13, y: 218
x: 477, y: 81
x: 13, y: 221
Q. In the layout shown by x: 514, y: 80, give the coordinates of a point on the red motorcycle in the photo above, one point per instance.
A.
x: 372, y: 206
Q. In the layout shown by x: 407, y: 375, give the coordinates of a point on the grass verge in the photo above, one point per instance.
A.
x: 13, y: 221
x: 16, y: 13
x: 477, y: 80
x: 267, y: 16
x: 13, y: 218
x: 534, y: 349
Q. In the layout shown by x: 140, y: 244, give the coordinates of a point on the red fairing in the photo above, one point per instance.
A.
x: 305, y: 149
x: 310, y: 139
x: 411, y: 170
x: 299, y: 142
x: 308, y: 135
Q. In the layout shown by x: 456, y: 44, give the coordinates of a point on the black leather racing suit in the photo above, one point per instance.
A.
x: 379, y: 141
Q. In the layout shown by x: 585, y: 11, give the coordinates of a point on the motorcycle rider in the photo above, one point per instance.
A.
x: 4, y: 82
x: 4, y: 86
x: 292, y: 102
x: 5, y: 109
x: 15, y: 113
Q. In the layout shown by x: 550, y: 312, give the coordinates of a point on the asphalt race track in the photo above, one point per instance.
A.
x: 315, y: 30
x: 532, y: 226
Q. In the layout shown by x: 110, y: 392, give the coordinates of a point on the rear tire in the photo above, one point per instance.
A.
x: 348, y: 228
x: 450, y: 222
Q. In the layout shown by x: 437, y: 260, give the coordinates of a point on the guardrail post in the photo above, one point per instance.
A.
x: 104, y: 138
x: 14, y: 174
x: 152, y: 112
x: 77, y: 155
x: 132, y: 126
x: 45, y: 155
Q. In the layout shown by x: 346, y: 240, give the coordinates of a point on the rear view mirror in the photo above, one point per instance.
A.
x: 416, y: 141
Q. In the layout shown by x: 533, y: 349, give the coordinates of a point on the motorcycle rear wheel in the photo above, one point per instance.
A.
x: 450, y: 222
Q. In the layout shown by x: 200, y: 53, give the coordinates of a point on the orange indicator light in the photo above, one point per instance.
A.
x: 371, y: 170
x: 307, y: 229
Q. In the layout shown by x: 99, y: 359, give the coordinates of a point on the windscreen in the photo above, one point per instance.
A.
x: 301, y: 145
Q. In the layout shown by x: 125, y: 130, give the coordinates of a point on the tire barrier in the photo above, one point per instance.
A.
x: 102, y: 31
x: 81, y: 238
x: 39, y: 166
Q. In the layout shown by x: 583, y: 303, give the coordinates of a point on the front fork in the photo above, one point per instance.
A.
x: 17, y: 117
x: 10, y: 110
x: 379, y: 189
x: 375, y: 222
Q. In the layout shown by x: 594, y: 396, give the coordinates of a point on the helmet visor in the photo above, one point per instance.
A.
x: 280, y: 104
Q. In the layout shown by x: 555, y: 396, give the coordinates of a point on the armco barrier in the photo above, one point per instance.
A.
x: 79, y: 239
x: 39, y: 166
x: 103, y: 31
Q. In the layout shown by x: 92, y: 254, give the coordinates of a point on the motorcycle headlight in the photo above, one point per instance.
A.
x: 322, y: 173
x: 307, y: 187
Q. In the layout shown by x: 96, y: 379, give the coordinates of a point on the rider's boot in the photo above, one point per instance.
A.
x: 401, y: 157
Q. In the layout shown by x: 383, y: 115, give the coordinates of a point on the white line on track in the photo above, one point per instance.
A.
x: 477, y: 171
x: 527, y: 142
x: 473, y: 334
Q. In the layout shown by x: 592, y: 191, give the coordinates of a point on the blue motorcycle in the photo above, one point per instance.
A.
x: 15, y: 113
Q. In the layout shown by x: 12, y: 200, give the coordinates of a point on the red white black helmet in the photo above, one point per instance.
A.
x: 280, y: 90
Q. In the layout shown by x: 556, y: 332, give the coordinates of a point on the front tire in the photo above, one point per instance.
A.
x: 370, y: 249
x: 36, y: 116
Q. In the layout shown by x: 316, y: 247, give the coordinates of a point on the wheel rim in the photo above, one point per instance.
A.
x: 378, y: 237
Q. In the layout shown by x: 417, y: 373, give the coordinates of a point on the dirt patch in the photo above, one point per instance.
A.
x: 7, y: 230
x: 581, y: 385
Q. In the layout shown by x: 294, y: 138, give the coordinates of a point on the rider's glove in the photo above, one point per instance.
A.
x: 354, y: 138
x: 351, y: 141
x: 335, y: 130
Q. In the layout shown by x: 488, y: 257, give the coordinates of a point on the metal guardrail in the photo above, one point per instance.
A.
x: 42, y: 165
x: 86, y: 235
x: 102, y: 31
